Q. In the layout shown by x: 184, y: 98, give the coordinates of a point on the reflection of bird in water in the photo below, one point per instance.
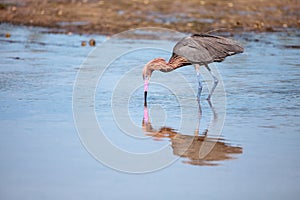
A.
x: 199, y: 149
x: 188, y: 146
x: 198, y: 49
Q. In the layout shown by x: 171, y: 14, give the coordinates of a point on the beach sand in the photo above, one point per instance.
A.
x: 114, y: 16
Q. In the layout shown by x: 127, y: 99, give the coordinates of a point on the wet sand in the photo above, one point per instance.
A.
x: 114, y: 16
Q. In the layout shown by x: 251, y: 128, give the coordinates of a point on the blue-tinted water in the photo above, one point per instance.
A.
x: 42, y: 156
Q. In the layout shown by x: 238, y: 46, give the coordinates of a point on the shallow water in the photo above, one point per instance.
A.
x: 43, y: 157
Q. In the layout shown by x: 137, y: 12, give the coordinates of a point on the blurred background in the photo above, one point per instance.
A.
x: 113, y: 16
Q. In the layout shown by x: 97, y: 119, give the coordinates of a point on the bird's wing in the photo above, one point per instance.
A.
x: 204, y: 48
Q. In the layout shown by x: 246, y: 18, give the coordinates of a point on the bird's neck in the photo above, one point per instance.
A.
x: 174, y: 63
x: 164, y: 67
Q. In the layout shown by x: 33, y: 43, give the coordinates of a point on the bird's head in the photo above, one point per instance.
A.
x: 147, y: 72
x: 151, y: 66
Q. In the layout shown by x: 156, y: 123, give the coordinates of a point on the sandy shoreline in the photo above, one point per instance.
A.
x: 110, y: 17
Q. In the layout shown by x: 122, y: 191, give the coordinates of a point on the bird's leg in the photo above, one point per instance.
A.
x: 215, y: 82
x: 197, y: 68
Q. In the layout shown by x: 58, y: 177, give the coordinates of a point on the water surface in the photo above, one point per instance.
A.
x: 42, y: 156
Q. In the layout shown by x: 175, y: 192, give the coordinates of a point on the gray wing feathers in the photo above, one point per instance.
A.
x: 204, y: 49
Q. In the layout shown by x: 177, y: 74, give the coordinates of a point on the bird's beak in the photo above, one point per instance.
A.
x: 145, y: 98
x: 146, y: 84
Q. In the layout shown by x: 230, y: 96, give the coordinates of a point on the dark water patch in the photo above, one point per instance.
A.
x: 291, y: 46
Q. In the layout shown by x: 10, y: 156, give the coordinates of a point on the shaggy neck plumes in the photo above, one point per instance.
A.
x: 159, y: 64
x: 163, y: 66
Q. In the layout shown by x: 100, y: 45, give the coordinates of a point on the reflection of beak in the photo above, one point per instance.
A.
x: 146, y: 115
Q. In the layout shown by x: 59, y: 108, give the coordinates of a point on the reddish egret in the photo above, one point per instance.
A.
x: 197, y: 50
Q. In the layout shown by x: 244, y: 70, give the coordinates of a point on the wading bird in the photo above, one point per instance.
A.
x: 197, y: 50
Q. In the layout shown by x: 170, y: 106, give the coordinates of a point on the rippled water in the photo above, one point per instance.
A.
x: 42, y: 156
